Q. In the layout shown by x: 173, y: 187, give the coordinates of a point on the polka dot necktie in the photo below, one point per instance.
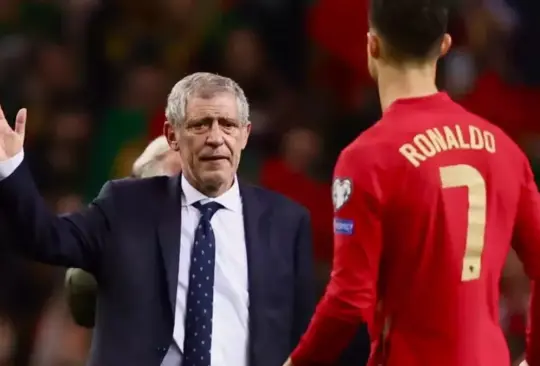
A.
x: 200, y: 298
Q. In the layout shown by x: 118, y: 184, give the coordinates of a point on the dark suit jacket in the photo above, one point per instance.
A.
x: 129, y: 239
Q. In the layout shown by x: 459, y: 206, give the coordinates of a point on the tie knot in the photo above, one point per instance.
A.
x: 208, y: 209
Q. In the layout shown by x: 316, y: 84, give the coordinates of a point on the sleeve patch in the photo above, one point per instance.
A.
x: 341, y: 192
x: 343, y: 226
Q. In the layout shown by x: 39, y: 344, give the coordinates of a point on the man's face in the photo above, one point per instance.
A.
x: 210, y: 141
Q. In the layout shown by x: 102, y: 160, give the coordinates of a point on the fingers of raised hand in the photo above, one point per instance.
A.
x: 5, y: 128
x: 3, y: 118
x: 20, y: 122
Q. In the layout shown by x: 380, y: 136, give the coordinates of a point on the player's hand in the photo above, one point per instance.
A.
x: 289, y: 362
x: 11, y: 139
x: 524, y: 363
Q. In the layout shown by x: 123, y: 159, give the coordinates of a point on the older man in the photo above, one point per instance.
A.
x: 81, y: 287
x: 193, y: 270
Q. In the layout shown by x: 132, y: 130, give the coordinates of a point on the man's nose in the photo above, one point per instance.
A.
x: 215, y: 135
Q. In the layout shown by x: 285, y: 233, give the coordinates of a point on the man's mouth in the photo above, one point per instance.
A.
x: 214, y: 158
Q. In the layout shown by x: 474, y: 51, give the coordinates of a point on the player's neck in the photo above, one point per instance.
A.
x: 413, y: 82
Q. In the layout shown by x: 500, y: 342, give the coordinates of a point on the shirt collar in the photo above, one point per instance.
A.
x: 231, y: 199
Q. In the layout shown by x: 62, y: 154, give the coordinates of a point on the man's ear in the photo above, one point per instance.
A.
x: 373, y: 45
x: 246, y: 136
x: 170, y: 135
x: 446, y: 44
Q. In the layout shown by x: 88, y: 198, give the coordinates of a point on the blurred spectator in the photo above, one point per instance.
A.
x: 339, y: 27
x: 244, y: 61
x: 25, y: 288
x: 123, y: 134
x: 280, y: 25
x: 290, y: 175
x: 7, y: 341
x: 56, y: 156
x: 55, y: 71
x: 53, y: 78
x: 59, y: 341
x: 524, y: 50
x: 144, y: 88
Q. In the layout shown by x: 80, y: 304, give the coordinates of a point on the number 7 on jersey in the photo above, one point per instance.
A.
x: 466, y: 176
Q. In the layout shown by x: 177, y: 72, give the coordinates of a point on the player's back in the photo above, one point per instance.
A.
x: 451, y: 184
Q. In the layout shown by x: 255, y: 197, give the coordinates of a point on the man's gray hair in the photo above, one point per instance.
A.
x: 204, y: 85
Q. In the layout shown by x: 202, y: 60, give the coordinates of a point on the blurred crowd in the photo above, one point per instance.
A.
x: 95, y: 75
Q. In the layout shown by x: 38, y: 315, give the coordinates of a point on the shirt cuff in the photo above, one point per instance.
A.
x: 9, y: 166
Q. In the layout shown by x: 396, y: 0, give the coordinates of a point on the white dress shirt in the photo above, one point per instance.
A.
x: 8, y: 167
x: 230, y: 332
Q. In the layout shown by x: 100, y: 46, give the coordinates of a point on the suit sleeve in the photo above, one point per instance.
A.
x: 73, y: 240
x: 351, y: 294
x: 304, y: 280
x: 526, y: 242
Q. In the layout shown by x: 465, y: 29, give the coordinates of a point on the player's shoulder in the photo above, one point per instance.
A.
x: 504, y: 141
x: 365, y: 155
x: 365, y: 146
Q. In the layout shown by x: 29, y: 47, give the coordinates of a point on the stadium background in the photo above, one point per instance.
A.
x: 95, y: 74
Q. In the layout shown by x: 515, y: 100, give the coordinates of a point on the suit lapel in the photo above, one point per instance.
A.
x: 169, y: 237
x: 257, y: 232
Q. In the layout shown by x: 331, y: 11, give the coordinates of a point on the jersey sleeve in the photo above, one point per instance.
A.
x: 351, y: 293
x: 526, y: 242
x: 526, y: 236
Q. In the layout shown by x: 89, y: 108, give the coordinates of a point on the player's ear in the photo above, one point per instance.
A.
x: 373, y: 45
x: 445, y: 44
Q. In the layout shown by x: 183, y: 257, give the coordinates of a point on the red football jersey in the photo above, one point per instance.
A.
x: 427, y: 203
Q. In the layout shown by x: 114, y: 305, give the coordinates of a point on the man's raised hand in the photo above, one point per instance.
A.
x: 11, y: 139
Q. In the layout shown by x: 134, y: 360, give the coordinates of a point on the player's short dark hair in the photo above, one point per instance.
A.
x: 410, y: 29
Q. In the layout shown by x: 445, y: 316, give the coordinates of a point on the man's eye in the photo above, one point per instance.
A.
x: 228, y: 124
x: 198, y: 126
